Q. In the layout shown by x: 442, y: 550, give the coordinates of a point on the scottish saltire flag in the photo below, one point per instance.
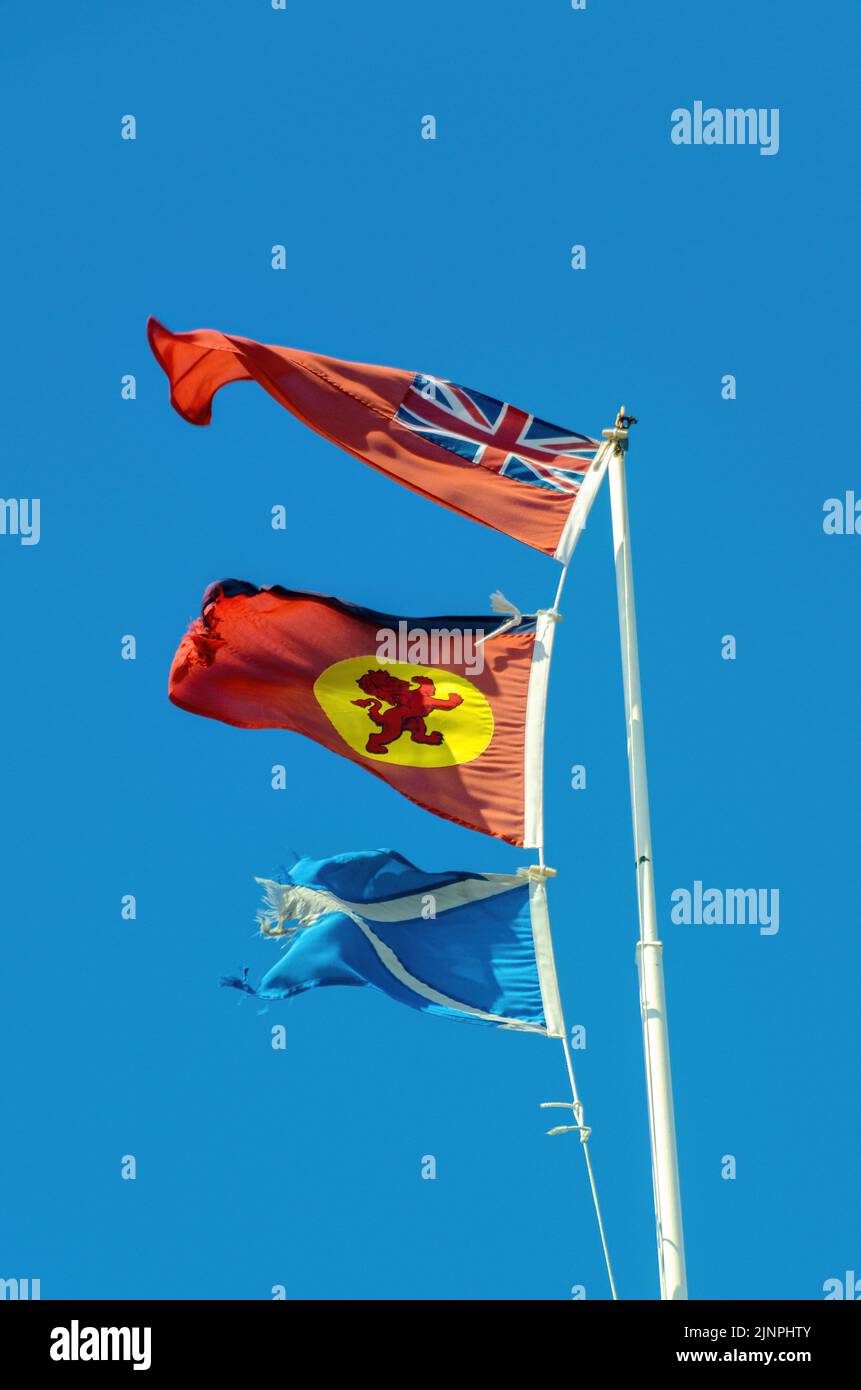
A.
x: 462, y: 945
x: 481, y: 457
x: 449, y: 711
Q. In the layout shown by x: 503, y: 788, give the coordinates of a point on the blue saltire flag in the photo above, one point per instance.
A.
x: 464, y: 945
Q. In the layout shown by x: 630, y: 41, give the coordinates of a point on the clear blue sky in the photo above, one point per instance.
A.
x: 254, y: 127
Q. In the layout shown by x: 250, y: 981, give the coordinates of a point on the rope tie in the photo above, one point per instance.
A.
x: 577, y: 1109
x: 502, y: 605
x: 537, y: 871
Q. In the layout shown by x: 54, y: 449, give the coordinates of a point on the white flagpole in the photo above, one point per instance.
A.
x: 653, y: 1003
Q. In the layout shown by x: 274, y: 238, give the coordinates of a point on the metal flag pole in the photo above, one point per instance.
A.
x: 653, y: 1003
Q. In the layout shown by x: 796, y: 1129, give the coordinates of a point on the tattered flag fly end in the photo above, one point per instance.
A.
x: 480, y: 457
x: 462, y: 945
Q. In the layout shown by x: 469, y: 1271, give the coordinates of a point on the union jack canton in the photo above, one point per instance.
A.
x: 496, y: 436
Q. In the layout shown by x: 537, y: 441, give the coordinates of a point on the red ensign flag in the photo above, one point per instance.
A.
x: 477, y: 455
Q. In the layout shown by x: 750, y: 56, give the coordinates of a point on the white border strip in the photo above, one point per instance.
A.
x: 405, y: 909
x: 544, y: 957
x: 468, y: 890
x: 533, y: 743
x: 576, y: 522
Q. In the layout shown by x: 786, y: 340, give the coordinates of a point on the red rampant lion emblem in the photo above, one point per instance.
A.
x: 409, y: 703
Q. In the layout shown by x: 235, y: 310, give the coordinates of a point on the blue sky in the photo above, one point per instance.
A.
x: 255, y: 127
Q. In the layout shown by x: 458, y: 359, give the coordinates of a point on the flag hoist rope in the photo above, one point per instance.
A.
x: 576, y: 1105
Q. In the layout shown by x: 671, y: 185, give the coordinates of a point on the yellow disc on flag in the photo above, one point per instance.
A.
x: 412, y: 716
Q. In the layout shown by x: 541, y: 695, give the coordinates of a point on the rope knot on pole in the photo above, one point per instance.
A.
x: 576, y: 1108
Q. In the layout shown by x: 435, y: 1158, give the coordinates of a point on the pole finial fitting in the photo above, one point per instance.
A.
x: 618, y: 435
